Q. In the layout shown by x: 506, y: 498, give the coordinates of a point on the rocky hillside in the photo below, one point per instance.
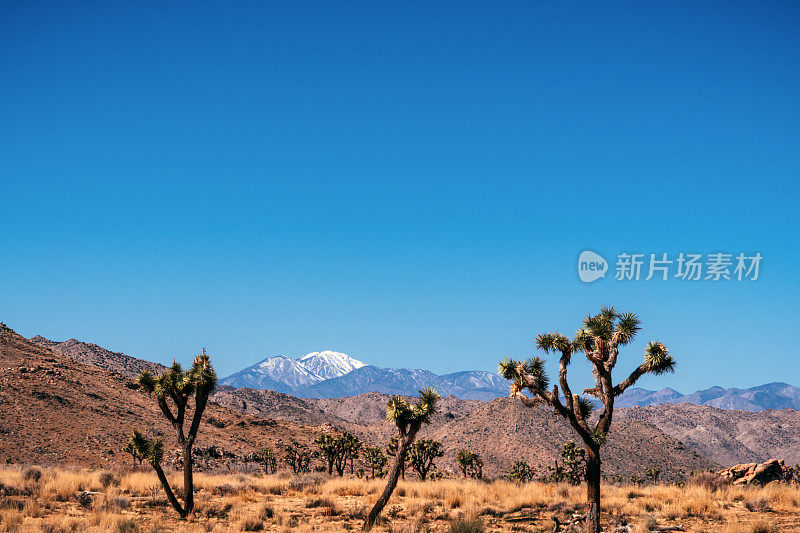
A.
x: 726, y: 437
x: 97, y: 356
x: 56, y: 410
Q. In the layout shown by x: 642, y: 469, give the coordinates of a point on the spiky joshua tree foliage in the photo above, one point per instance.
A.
x: 173, y: 390
x: 599, y: 339
x: 408, y: 419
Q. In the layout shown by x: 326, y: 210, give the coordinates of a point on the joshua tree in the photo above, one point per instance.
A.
x: 351, y: 447
x: 329, y: 447
x: 574, y: 462
x: 131, y: 449
x: 470, y: 463
x: 391, y: 451
x: 338, y: 451
x: 422, y: 454
x: 267, y: 457
x: 375, y: 460
x: 521, y: 472
x: 297, y: 456
x: 178, y: 386
x: 408, y: 419
x: 653, y: 474
x: 599, y: 339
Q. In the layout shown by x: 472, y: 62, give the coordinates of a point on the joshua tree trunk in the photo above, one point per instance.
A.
x: 188, y: 480
x: 394, y: 475
x: 593, y: 489
x: 170, y: 495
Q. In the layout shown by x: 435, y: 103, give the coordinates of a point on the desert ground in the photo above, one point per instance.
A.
x: 70, y: 500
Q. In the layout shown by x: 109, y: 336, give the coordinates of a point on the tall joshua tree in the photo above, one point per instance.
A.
x: 177, y: 387
x: 600, y: 339
x: 408, y: 419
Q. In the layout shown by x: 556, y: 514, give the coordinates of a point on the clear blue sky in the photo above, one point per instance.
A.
x: 410, y: 183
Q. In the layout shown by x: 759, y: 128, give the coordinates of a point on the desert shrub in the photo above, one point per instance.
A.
x: 15, y: 505
x: 108, y: 479
x: 127, y: 526
x: 266, y: 513
x: 252, y: 524
x: 759, y: 505
x: 454, y: 501
x: 763, y: 527
x: 393, y: 511
x: 357, y: 513
x: 226, y: 489
x: 467, y: 525
x: 707, y: 480
x: 85, y: 500
x: 219, y: 511
x: 319, y: 502
x: 32, y: 474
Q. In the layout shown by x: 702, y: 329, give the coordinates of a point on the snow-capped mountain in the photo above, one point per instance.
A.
x: 329, y: 364
x: 284, y: 374
x: 329, y: 374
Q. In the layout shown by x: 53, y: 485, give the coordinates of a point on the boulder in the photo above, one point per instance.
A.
x: 757, y: 473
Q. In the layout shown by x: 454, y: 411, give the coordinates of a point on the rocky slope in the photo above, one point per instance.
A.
x: 56, y: 410
x: 95, y: 355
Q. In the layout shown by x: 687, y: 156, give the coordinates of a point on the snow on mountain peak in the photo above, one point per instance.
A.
x: 328, y: 364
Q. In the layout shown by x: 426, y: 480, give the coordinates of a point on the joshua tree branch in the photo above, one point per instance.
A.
x: 562, y: 378
x: 630, y: 380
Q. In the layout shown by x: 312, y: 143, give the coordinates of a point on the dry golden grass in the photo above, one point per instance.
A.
x: 132, y: 502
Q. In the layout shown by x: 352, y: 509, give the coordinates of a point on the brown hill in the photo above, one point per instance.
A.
x: 55, y: 410
x: 95, y: 355
x: 724, y: 436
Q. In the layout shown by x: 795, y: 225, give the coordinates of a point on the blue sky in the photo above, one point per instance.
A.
x: 410, y: 183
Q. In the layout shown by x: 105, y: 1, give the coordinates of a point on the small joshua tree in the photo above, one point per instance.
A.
x: 408, y: 419
x: 422, y: 454
x: 521, y: 472
x: 178, y: 387
x: 375, y: 460
x: 329, y: 447
x: 298, y: 457
x: 574, y: 463
x: 267, y: 457
x: 470, y: 463
x: 599, y: 339
x: 652, y: 474
x: 130, y: 448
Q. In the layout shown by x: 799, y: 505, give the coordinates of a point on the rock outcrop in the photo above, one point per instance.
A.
x: 757, y: 473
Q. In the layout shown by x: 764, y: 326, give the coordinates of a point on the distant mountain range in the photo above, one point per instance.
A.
x: 769, y: 396
x: 329, y: 374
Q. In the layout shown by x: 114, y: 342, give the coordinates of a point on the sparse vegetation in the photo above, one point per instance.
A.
x: 321, y: 503
x: 599, y: 339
